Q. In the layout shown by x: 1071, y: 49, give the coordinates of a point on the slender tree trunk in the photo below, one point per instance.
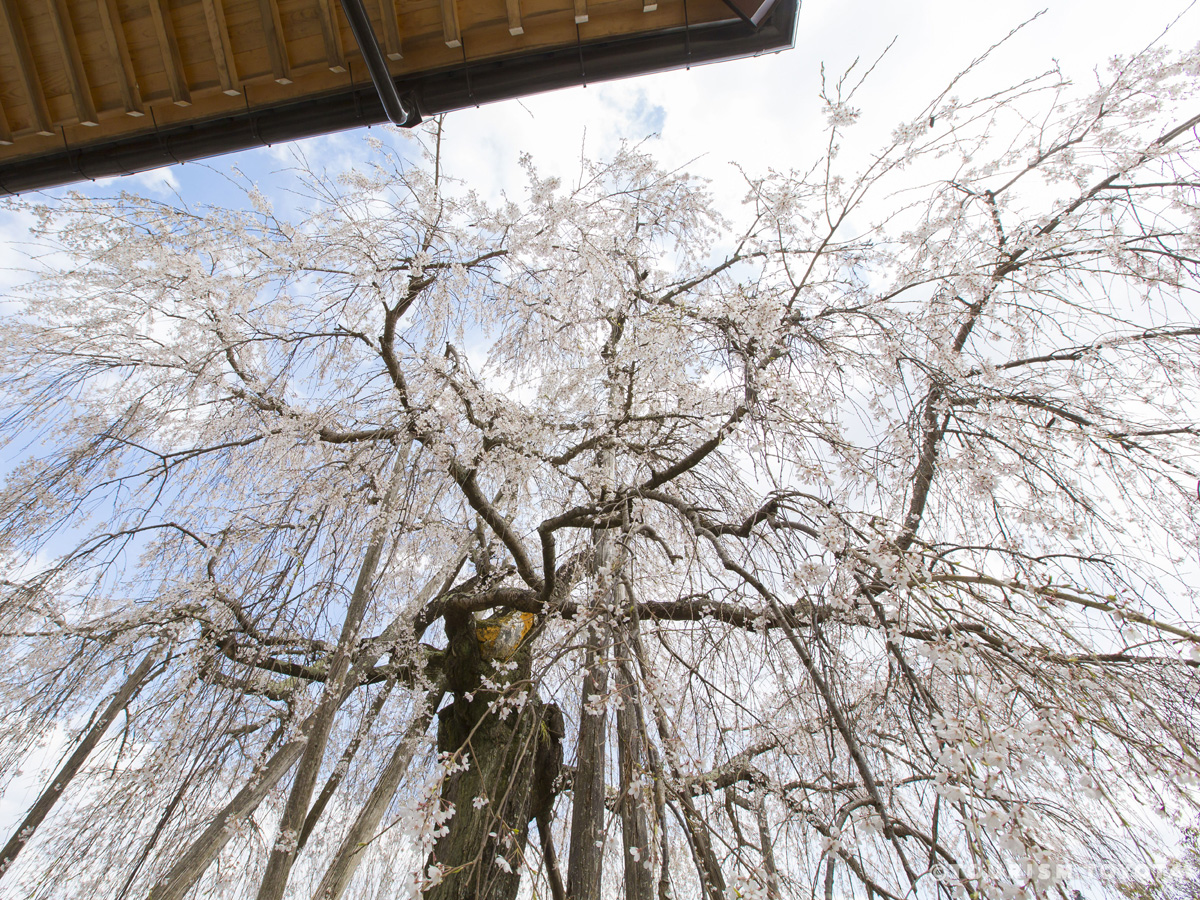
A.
x: 62, y: 778
x: 585, y: 864
x: 635, y: 829
x: 707, y: 868
x: 545, y: 792
x: 343, y: 765
x: 766, y: 847
x: 283, y: 854
x: 202, y: 851
x: 349, y: 854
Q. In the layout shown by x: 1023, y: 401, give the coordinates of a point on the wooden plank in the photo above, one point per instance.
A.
x: 450, y: 31
x: 635, y: 20
x: 68, y: 46
x: 391, y: 29
x: 547, y: 23
x: 513, y: 7
x: 25, y: 67
x: 218, y: 35
x: 164, y: 28
x: 331, y: 32
x: 6, y: 135
x: 581, y: 12
x: 547, y: 27
x: 118, y: 51
x: 276, y: 49
x: 540, y: 33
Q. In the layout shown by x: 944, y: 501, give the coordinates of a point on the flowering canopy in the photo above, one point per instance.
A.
x: 855, y: 531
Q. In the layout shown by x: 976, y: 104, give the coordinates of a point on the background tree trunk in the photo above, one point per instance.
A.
x: 75, y: 761
x: 585, y: 864
x: 287, y: 843
x: 635, y: 829
x: 344, y: 864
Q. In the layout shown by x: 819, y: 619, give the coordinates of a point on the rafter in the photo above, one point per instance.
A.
x: 102, y: 61
x: 68, y: 46
x: 6, y: 135
x: 26, y: 70
x: 118, y: 51
x: 164, y: 28
x: 334, y: 56
x: 513, y: 7
x: 450, y: 30
x: 392, y: 46
x: 276, y: 49
x: 218, y: 35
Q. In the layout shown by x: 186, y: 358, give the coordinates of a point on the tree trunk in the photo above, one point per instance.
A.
x: 585, y: 865
x: 635, y: 829
x: 496, y: 736
x: 708, y: 870
x: 287, y: 843
x: 202, y: 851
x: 767, y: 848
x: 482, y: 854
x: 63, y: 776
x: 344, y: 864
x: 343, y: 764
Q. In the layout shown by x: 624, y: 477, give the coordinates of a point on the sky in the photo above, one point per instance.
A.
x: 757, y: 113
x: 717, y: 120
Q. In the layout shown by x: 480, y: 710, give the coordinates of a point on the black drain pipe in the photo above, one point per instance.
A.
x: 360, y: 25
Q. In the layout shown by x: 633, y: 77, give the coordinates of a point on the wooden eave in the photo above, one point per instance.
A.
x: 90, y: 88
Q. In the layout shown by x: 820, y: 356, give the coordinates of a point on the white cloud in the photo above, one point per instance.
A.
x: 155, y: 182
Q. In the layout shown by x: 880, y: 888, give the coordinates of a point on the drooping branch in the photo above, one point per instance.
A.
x: 286, y: 847
x: 366, y: 824
x: 145, y: 670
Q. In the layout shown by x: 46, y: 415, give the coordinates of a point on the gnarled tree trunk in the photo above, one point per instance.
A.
x: 498, y: 735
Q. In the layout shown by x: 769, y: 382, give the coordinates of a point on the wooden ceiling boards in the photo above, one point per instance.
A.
x: 91, y: 88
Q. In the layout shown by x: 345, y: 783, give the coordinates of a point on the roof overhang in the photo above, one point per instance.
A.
x: 96, y: 88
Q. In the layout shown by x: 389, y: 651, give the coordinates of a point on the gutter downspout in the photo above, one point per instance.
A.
x: 360, y: 26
